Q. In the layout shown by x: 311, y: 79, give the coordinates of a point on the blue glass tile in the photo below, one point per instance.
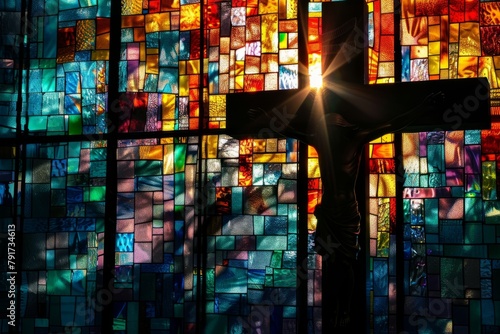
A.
x: 275, y: 225
x: 124, y: 242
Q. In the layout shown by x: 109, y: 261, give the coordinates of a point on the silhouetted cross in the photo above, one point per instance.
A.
x: 338, y: 120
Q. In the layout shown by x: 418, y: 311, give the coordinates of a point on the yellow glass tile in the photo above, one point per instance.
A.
x: 370, y: 7
x: 291, y: 9
x: 100, y: 55
x: 210, y: 145
x: 151, y: 152
x: 387, y: 185
x: 190, y: 17
x: 387, y: 6
x: 259, y: 145
x: 85, y: 32
x: 434, y: 48
x: 193, y: 66
x: 269, y: 6
x: 239, y: 68
x: 269, y: 33
x: 131, y: 7
x: 433, y: 65
x: 454, y: 31
x: 467, y: 67
x: 142, y: 51
x: 157, y: 22
x: 470, y: 44
x: 238, y: 82
x: 152, y: 64
x: 283, y: 43
x: 167, y: 140
x: 373, y: 183
x: 168, y: 159
x: 383, y: 244
x: 312, y: 222
x: 183, y: 85
x: 443, y: 74
x: 434, y: 33
x: 419, y: 51
x: 168, y: 125
x: 487, y: 70
x: 168, y: 106
x: 269, y: 157
x: 313, y: 168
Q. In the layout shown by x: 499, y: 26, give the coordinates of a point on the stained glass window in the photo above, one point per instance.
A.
x: 128, y: 208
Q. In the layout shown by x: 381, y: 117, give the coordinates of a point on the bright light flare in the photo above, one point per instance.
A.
x: 316, y: 81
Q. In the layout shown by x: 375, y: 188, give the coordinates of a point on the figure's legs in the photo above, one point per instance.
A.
x: 340, y: 146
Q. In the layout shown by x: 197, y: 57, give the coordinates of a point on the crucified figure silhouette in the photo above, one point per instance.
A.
x: 339, y: 134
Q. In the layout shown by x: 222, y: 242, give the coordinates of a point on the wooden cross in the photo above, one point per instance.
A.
x: 340, y: 118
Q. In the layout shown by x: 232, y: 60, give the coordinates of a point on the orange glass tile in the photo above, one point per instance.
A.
x: 253, y: 28
x: 132, y: 21
x: 190, y: 17
x: 382, y: 151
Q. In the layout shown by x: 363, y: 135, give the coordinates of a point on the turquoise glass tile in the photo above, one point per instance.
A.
x: 231, y: 280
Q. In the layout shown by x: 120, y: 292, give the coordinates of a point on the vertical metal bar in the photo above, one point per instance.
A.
x: 20, y: 154
x: 398, y: 145
x: 302, y: 312
x: 202, y: 201
x: 111, y: 173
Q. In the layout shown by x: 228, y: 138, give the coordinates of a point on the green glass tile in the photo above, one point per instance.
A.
x: 276, y: 259
x: 73, y: 165
x: 292, y: 241
x: 493, y: 251
x: 258, y: 225
x: 472, y: 251
x: 489, y: 234
x: 51, y: 106
x: 286, y: 278
x: 179, y: 157
x: 160, y: 323
x: 431, y: 215
x: 452, y: 278
x: 473, y: 233
x: 231, y: 280
x: 225, y: 242
x: 119, y: 324
x: 147, y: 167
x: 75, y: 124
x: 37, y: 123
x: 216, y: 324
x: 473, y: 209
x: 492, y: 212
x: 133, y: 315
x: 97, y: 194
x: 237, y: 200
x: 269, y: 242
x: 475, y: 316
x: 269, y: 281
x: 59, y: 282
